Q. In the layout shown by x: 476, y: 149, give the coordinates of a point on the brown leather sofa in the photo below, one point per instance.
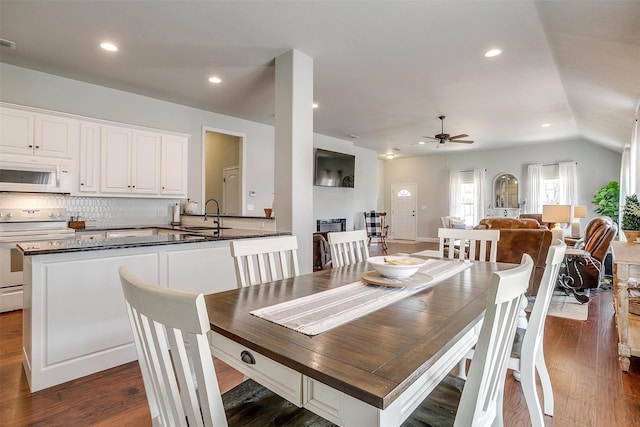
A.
x: 598, y: 235
x: 520, y: 236
x: 537, y: 217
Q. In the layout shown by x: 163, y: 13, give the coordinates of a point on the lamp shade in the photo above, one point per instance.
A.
x: 579, y: 211
x: 556, y: 214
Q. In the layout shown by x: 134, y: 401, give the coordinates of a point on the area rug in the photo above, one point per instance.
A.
x: 565, y: 306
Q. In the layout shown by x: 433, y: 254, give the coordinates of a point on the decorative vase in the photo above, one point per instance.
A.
x: 631, y: 235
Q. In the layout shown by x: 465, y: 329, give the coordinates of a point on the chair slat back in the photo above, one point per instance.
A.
x: 481, y: 400
x: 476, y: 242
x: 264, y: 260
x: 348, y: 247
x: 169, y: 329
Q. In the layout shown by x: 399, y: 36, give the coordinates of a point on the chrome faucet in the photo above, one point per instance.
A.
x: 217, y: 220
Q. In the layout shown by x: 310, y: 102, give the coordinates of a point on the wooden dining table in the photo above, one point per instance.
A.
x: 372, y: 371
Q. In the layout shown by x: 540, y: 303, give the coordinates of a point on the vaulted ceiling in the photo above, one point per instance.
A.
x: 383, y: 70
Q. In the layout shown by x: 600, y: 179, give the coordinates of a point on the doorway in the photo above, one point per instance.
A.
x: 403, y: 211
x: 222, y: 170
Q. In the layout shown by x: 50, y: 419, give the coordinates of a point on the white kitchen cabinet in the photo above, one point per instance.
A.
x: 207, y: 270
x: 75, y: 321
x: 129, y: 161
x: 30, y: 133
x: 88, y: 165
x: 173, y: 168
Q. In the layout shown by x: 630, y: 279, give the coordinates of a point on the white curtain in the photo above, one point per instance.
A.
x: 455, y: 182
x: 625, y: 174
x: 629, y: 176
x: 534, y: 188
x: 480, y: 196
x: 635, y: 158
x: 568, y: 192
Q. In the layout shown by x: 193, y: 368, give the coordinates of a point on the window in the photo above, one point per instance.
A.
x: 404, y: 193
x: 467, y: 202
x: 550, y: 185
x: 467, y: 195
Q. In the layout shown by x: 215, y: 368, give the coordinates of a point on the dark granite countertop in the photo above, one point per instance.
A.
x: 210, y: 215
x: 82, y: 245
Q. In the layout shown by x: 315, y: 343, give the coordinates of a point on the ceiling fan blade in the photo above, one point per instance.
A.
x: 462, y: 135
x: 463, y: 141
x: 430, y: 137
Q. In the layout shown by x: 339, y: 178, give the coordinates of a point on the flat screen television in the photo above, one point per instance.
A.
x: 334, y: 169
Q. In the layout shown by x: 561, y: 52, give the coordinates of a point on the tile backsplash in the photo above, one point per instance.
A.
x: 105, y: 211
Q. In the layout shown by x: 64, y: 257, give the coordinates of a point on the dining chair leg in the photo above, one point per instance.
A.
x: 545, y: 380
x: 528, y: 383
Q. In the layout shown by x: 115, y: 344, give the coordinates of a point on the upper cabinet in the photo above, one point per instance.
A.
x: 130, y: 161
x: 173, y: 166
x: 88, y: 167
x: 31, y: 133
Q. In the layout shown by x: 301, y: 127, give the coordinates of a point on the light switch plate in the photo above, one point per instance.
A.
x: 250, y: 207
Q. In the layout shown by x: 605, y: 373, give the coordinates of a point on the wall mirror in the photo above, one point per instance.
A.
x: 505, y: 191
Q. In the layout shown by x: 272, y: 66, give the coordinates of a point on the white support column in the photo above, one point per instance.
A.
x: 294, y: 151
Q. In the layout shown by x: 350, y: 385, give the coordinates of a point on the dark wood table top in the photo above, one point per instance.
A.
x: 373, y: 358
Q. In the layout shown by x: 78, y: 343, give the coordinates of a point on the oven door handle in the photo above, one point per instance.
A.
x: 36, y: 238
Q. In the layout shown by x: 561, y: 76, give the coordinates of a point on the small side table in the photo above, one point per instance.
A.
x: 572, y: 259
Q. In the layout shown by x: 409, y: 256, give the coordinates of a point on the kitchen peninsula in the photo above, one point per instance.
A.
x: 74, y: 317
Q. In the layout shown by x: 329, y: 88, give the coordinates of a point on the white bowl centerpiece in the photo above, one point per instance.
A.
x: 396, y: 267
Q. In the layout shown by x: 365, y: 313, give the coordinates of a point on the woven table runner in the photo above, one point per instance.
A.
x: 317, y: 313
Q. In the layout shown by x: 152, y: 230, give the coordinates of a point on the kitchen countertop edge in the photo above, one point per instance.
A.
x: 36, y: 248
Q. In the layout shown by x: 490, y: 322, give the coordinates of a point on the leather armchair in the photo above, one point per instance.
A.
x: 598, y: 235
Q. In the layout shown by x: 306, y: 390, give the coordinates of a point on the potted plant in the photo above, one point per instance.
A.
x: 631, y: 218
x: 607, y: 200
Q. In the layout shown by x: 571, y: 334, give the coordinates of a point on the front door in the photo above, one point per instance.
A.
x: 403, y: 211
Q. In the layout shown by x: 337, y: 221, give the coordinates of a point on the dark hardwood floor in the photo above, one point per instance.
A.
x: 589, y: 387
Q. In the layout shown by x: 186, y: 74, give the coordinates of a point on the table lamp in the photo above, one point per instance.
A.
x: 578, y: 212
x: 556, y: 214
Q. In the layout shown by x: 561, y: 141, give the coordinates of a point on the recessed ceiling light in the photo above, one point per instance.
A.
x: 421, y: 142
x: 109, y: 46
x: 492, y: 52
x: 314, y: 105
x: 215, y: 79
x: 546, y: 125
x: 389, y: 156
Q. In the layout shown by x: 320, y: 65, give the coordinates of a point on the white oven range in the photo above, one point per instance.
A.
x: 25, y: 225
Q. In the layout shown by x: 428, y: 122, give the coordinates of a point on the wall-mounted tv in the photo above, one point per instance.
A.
x: 334, y: 169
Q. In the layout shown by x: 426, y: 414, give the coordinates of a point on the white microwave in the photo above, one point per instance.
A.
x: 33, y: 174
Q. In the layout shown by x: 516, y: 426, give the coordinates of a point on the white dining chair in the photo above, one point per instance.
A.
x: 348, y: 247
x: 528, y: 358
x: 465, y: 244
x: 170, y: 333
x: 480, y: 403
x: 264, y: 260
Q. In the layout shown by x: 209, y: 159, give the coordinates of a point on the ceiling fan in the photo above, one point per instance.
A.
x: 445, y: 137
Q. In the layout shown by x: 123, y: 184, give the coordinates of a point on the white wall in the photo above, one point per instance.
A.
x: 596, y: 167
x: 349, y: 203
